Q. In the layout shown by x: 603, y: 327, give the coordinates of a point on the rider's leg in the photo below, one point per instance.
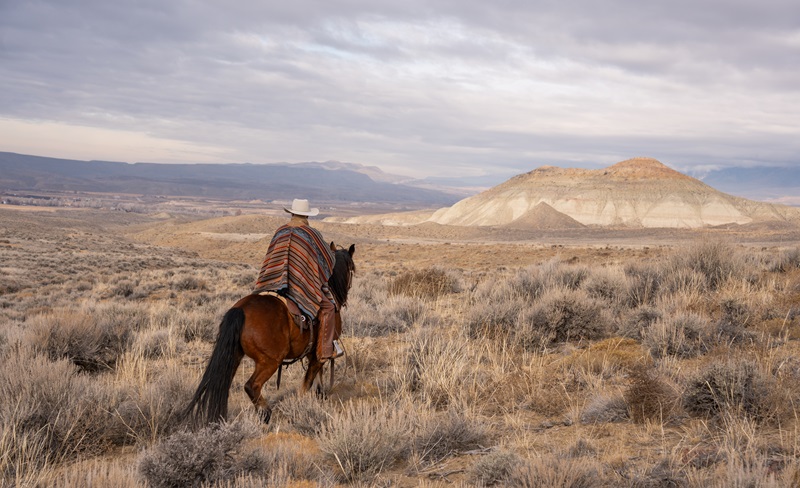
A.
x: 327, y: 329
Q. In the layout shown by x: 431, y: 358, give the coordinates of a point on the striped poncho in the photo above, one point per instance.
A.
x: 299, y: 261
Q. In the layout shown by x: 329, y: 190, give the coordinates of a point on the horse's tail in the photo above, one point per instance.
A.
x: 210, y: 401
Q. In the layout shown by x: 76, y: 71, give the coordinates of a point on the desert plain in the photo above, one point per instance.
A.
x: 476, y: 356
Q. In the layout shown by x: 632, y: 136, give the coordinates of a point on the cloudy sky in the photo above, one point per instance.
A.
x: 417, y: 87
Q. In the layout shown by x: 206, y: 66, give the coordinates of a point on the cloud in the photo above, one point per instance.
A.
x: 416, y: 87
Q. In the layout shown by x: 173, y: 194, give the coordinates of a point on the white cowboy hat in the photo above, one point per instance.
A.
x: 300, y: 207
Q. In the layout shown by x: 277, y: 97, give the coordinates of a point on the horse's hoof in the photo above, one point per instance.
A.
x: 321, y: 392
x: 266, y: 415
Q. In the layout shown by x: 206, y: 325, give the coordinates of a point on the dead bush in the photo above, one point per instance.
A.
x: 683, y: 336
x: 644, y: 283
x: 649, y: 397
x: 607, y: 285
x: 663, y: 474
x: 731, y: 385
x: 154, y: 344
x: 557, y: 472
x: 154, y: 410
x: 604, y: 408
x: 188, y: 283
x: 438, y: 369
x: 393, y: 314
x: 444, y: 434
x: 303, y: 412
x: 715, y: 260
x: 495, y: 468
x: 639, y: 321
x: 427, y: 283
x: 90, y: 344
x: 569, y: 315
x: 785, y: 261
x: 494, y: 319
x: 209, y: 455
x: 365, y: 439
x: 49, y: 406
x: 731, y: 329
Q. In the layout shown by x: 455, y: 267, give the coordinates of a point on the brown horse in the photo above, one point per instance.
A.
x: 261, y: 327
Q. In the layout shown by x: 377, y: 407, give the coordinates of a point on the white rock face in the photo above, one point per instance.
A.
x: 638, y: 192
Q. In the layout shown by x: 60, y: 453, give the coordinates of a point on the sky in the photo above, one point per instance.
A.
x: 415, y: 87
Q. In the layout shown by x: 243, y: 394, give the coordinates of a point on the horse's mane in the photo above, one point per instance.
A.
x: 339, y: 282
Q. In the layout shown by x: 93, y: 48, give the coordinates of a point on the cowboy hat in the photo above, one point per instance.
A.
x: 300, y: 207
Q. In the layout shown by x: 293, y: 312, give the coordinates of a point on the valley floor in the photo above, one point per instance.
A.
x: 476, y: 357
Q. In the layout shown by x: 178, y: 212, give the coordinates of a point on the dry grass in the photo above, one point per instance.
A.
x: 560, y: 373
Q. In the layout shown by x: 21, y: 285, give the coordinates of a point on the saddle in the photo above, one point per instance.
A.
x: 300, y: 319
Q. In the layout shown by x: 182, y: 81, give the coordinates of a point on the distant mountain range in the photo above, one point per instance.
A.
x: 776, y: 184
x: 330, y: 181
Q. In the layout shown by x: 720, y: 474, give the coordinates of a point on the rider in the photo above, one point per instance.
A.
x: 298, y: 265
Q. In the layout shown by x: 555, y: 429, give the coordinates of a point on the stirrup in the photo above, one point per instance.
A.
x: 337, y: 349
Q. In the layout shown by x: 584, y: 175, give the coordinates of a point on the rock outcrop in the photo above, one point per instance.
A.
x: 639, y: 192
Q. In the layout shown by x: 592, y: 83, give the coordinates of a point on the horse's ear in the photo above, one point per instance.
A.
x: 333, y: 247
x: 352, y: 249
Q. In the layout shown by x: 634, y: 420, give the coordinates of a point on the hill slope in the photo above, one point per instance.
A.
x: 639, y: 192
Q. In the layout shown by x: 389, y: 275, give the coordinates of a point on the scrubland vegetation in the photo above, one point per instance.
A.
x: 679, y: 370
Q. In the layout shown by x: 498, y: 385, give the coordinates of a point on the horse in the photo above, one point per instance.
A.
x: 261, y: 327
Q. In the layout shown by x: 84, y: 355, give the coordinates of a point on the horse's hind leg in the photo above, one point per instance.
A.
x: 265, y: 368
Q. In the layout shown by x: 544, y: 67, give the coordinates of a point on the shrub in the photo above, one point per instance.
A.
x: 428, y: 283
x: 557, y: 472
x: 605, y: 408
x: 154, y: 344
x: 639, y: 321
x: 732, y: 326
x: 681, y: 336
x: 644, y: 283
x: 393, y: 314
x: 444, y: 434
x: 48, y: 407
x: 494, y: 319
x: 568, y: 315
x: 438, y: 368
x: 124, y: 288
x: 90, y: 344
x: 364, y: 439
x: 494, y: 468
x: 607, y: 285
x: 785, y: 261
x: 188, y: 283
x: 155, y: 408
x: 569, y: 277
x: 716, y: 261
x: 662, y: 474
x: 192, y: 458
x: 649, y: 397
x: 303, y: 412
x: 732, y: 385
